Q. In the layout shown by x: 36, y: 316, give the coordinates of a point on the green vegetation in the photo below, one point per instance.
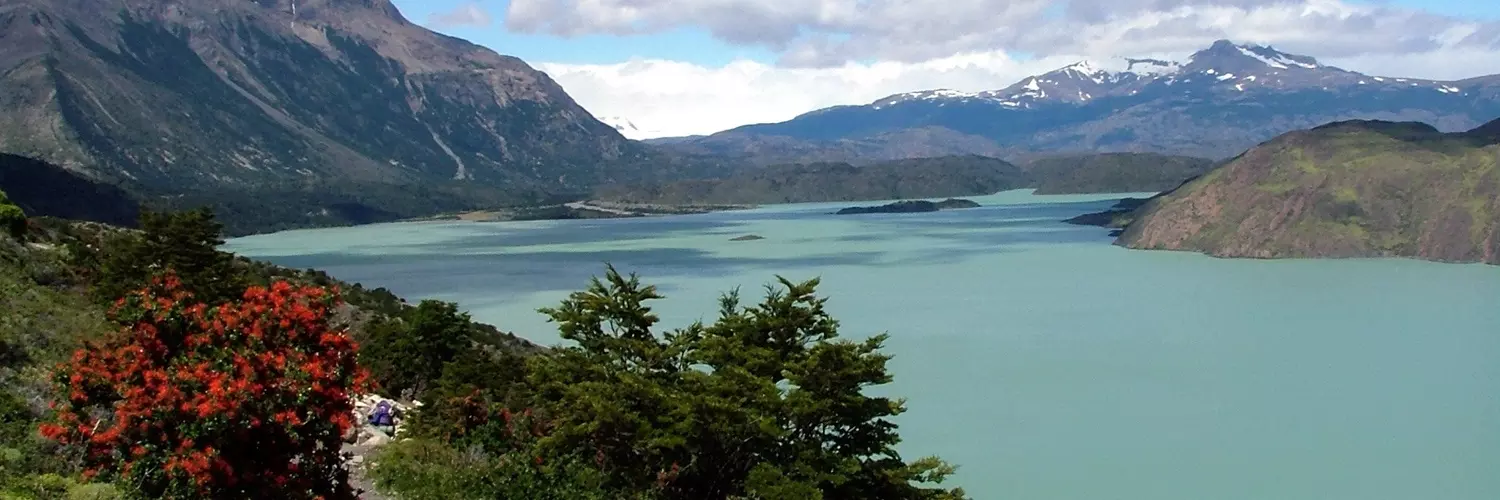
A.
x: 54, y: 289
x: 1114, y: 172
x: 1346, y: 189
x: 916, y: 178
x: 766, y: 402
x: 185, y: 242
x: 12, y: 218
x: 44, y: 320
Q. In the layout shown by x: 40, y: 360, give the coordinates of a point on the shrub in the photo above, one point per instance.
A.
x: 248, y: 399
x: 12, y: 218
x: 477, y: 450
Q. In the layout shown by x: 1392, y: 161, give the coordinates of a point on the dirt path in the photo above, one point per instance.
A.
x: 357, y: 475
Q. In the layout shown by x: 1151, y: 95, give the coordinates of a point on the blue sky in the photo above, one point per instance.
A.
x: 683, y: 44
x: 799, y: 55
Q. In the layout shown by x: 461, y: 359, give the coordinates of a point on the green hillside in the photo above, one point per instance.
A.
x: 1346, y: 189
x: 1114, y: 172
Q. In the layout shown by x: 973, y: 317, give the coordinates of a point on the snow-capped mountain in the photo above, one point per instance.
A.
x: 1223, y: 66
x: 1215, y: 103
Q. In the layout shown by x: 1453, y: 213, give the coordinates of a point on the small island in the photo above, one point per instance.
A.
x: 910, y: 206
x: 748, y: 237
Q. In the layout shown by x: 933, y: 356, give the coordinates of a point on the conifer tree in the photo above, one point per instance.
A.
x: 184, y: 243
x: 766, y: 402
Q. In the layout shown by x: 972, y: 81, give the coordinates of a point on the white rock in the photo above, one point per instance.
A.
x: 379, y: 439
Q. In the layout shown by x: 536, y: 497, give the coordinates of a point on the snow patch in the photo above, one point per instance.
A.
x: 1263, y: 59
x: 1088, y: 70
x: 1226, y: 76
x: 1151, y: 67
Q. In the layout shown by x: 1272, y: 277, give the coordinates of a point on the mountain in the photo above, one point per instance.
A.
x: 291, y: 102
x: 1216, y: 103
x: 42, y: 189
x: 1346, y: 189
x: 1114, y: 172
x: 797, y: 183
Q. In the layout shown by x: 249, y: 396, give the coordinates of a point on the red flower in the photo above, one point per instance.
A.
x: 183, y: 381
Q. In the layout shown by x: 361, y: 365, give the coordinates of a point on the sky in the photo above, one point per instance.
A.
x: 684, y: 67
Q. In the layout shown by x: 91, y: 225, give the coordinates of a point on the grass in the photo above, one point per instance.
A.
x: 1346, y: 194
x: 44, y: 321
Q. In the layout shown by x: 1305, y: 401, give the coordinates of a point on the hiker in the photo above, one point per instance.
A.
x: 383, y: 417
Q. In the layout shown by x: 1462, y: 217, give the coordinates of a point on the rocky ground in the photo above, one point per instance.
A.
x: 363, y: 439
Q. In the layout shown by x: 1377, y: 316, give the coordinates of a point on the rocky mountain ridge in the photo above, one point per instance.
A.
x: 168, y: 97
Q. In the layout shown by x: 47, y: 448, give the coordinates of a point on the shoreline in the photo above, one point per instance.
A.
x: 586, y: 209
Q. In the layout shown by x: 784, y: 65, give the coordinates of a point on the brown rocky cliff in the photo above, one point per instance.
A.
x: 1349, y: 189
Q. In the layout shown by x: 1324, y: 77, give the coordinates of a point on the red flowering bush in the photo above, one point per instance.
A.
x: 246, y: 400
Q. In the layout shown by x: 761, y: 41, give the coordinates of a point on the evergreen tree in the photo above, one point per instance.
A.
x: 767, y: 402
x: 412, y: 353
x: 185, y: 243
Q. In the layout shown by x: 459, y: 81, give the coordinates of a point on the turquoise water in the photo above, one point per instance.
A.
x: 1044, y: 361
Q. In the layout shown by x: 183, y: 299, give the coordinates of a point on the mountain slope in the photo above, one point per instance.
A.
x: 172, y: 96
x: 1114, y: 172
x: 1220, y: 101
x: 797, y: 183
x: 1346, y: 189
x: 45, y: 190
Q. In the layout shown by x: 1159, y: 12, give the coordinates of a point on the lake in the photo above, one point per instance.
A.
x: 1041, y: 359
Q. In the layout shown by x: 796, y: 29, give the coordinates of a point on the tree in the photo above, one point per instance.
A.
x: 183, y: 243
x: 247, y: 399
x: 411, y: 354
x: 12, y: 218
x: 767, y: 402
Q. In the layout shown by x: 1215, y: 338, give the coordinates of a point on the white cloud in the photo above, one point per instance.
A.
x: 831, y: 32
x: 468, y: 14
x: 673, y: 98
x: 963, y: 45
